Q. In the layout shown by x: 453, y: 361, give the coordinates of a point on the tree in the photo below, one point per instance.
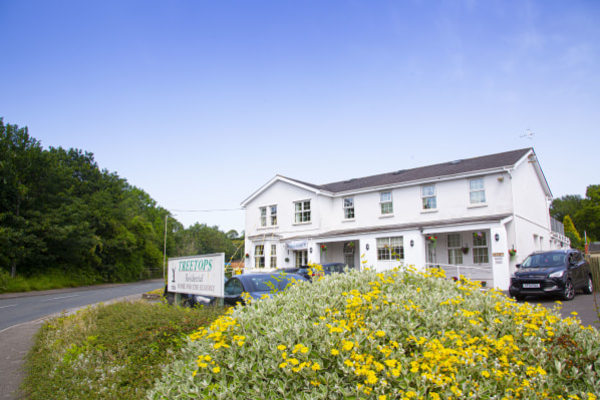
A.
x: 571, y: 232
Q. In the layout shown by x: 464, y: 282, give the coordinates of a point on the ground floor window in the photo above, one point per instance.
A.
x: 390, y: 248
x: 259, y: 256
x: 455, y: 255
x: 273, y: 256
x: 480, y: 248
x: 301, y: 257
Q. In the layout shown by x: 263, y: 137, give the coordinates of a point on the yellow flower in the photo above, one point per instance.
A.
x: 315, y: 383
x: 316, y: 367
x: 281, y: 347
x: 382, y: 397
x: 335, y: 352
x: 380, y: 333
x: 283, y: 365
x: 216, y: 370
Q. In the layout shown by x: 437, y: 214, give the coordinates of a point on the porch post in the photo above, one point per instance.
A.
x: 315, y: 256
x: 499, y: 257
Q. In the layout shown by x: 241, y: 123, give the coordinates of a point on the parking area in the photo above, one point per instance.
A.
x: 582, y: 304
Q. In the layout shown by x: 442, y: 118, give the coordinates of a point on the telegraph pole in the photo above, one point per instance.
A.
x: 165, y: 248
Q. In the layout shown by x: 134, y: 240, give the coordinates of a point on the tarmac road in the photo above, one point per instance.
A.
x: 22, y: 314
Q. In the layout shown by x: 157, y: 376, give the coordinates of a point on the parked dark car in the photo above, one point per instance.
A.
x: 558, y: 272
x: 302, y: 270
x: 334, y: 268
x: 258, y: 285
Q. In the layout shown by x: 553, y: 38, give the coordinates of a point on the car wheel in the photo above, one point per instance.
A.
x: 519, y: 297
x: 568, y: 291
x: 589, y: 288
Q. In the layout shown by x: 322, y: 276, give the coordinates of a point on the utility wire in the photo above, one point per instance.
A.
x: 209, y: 210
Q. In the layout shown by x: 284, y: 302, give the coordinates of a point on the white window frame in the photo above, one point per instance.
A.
x: 481, y: 249
x: 384, y: 203
x: 478, y: 192
x: 273, y: 258
x: 300, y: 258
x: 263, y: 216
x: 302, y: 215
x: 348, y: 205
x: 259, y: 256
x: 390, y: 248
x: 455, y: 255
x: 429, y: 197
x: 273, y: 215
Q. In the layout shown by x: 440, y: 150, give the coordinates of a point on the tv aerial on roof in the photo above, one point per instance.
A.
x: 528, y: 134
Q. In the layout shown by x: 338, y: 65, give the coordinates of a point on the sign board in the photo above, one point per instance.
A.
x: 203, y: 275
x: 498, y: 258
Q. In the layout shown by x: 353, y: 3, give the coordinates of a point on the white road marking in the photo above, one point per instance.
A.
x: 65, y: 297
x: 11, y: 305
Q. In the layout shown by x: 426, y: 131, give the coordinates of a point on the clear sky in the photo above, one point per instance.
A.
x: 200, y: 103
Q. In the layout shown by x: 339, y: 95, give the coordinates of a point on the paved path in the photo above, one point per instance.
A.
x: 16, y: 336
x: 582, y: 304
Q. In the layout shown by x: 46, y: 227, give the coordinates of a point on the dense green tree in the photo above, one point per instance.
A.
x: 571, y: 232
x: 60, y: 211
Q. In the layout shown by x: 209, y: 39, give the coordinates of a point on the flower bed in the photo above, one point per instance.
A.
x: 393, y: 335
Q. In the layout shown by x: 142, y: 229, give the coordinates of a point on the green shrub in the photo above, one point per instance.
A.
x: 392, y: 335
x: 108, y: 352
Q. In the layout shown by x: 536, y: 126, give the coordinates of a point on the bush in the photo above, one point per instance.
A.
x: 392, y: 335
x: 115, y: 351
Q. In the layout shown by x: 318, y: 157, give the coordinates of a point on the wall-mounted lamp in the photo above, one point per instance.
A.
x: 412, y: 243
x: 367, y: 246
x: 497, y: 237
x: 311, y: 249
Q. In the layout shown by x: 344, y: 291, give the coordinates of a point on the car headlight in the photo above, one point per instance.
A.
x: 557, y: 274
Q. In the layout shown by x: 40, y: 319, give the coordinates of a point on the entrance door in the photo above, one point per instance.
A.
x: 349, y: 254
x: 431, y: 254
x: 301, y: 258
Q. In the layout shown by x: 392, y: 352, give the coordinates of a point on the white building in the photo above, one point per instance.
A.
x: 463, y: 215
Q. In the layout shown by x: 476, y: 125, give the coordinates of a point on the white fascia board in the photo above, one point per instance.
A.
x: 532, y: 157
x: 280, y: 178
x: 460, y: 228
x: 422, y: 181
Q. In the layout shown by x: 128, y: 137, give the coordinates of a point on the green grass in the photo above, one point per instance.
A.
x: 113, y: 351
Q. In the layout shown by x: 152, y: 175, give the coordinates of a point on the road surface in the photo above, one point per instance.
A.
x: 17, y: 308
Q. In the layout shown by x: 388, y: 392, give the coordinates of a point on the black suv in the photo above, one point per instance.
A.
x: 560, y: 272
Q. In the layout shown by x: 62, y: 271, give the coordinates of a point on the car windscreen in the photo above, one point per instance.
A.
x: 544, y: 260
x: 334, y: 267
x: 264, y: 283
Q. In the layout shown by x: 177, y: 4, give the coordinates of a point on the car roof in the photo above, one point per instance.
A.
x: 333, y: 263
x: 245, y: 277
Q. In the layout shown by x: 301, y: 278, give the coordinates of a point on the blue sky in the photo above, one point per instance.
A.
x: 200, y: 103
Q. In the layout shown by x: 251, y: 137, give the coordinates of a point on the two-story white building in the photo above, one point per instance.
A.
x: 466, y: 216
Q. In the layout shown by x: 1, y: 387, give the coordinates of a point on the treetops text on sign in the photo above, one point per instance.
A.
x: 202, y: 275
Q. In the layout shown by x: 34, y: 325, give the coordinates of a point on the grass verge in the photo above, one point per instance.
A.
x: 113, y: 351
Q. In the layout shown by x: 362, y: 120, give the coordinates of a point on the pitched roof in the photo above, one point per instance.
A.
x: 482, y: 163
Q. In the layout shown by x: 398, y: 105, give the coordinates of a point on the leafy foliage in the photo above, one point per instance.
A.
x: 584, y: 212
x: 391, y: 335
x: 108, y: 352
x: 60, y: 214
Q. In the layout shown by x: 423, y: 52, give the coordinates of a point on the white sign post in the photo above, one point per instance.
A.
x: 203, y: 275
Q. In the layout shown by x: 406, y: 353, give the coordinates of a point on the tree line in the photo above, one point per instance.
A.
x: 60, y: 212
x: 580, y: 215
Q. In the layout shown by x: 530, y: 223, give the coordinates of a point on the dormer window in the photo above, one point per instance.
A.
x: 429, y: 197
x: 385, y: 202
x: 476, y: 191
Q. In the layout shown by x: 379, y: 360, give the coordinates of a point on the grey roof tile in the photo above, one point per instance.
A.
x: 482, y: 163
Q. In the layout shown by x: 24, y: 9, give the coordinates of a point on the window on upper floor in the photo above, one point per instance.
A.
x: 273, y: 214
x: 385, y: 202
x: 302, y: 211
x: 480, y: 248
x: 349, y: 208
x: 455, y: 255
x: 259, y: 256
x: 390, y: 248
x: 263, y: 216
x: 476, y: 191
x: 429, y: 197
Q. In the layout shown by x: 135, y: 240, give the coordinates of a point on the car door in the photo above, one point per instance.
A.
x: 576, y: 267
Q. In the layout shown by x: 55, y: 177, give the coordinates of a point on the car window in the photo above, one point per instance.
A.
x: 234, y: 287
x: 263, y: 283
x: 544, y: 260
